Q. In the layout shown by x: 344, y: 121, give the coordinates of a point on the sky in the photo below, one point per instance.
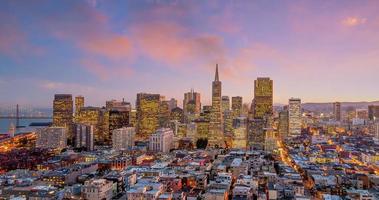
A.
x: 319, y: 51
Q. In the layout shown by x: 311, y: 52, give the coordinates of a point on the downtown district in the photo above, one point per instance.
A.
x: 227, y: 150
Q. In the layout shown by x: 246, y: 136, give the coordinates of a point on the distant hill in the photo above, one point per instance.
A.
x: 328, y: 107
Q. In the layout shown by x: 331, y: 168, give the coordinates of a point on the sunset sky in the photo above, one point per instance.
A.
x: 319, y: 51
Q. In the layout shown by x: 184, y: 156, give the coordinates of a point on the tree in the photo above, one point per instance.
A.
x: 202, y: 143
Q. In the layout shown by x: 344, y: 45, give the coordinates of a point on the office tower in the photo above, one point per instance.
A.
x: 216, y: 116
x: 263, y: 97
x: 51, y: 138
x: 237, y: 106
x: 373, y: 112
x: 79, y: 103
x: 239, y: 133
x: 256, y: 133
x: 63, y: 112
x: 118, y: 105
x: 337, y: 111
x: 177, y: 115
x: 147, y: 106
x: 206, y: 112
x: 84, y: 136
x: 164, y: 113
x: 216, y: 136
x: 94, y: 116
x: 270, y: 140
x: 133, y: 118
x: 161, y: 140
x: 228, y: 121
x: 294, y: 117
x: 117, y: 119
x: 225, y: 103
x: 283, y: 124
x: 172, y: 103
x: 123, y: 138
x: 202, y: 129
x: 191, y: 132
x: 191, y: 103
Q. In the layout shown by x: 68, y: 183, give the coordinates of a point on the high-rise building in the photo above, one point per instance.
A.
x: 94, y: 116
x: 239, y: 133
x: 161, y: 140
x: 294, y: 117
x: 202, y: 128
x: 123, y: 138
x: 117, y: 119
x: 225, y: 103
x: 177, y: 115
x: 228, y: 121
x: 79, y: 103
x: 256, y: 133
x: 52, y: 138
x: 133, y: 118
x: 283, y: 124
x: 147, y: 106
x: 215, y: 137
x: 164, y: 113
x: 63, y: 113
x: 263, y: 98
x: 191, y: 103
x: 118, y: 105
x: 373, y: 112
x: 84, y: 136
x: 337, y: 111
x: 237, y: 106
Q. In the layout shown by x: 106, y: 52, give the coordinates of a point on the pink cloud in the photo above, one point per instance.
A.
x: 105, y: 72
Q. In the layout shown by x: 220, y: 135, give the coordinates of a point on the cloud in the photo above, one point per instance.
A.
x: 353, y: 21
x: 104, y: 71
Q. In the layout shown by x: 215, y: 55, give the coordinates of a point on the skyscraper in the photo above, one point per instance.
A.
x: 337, y: 111
x: 79, y: 103
x: 93, y: 116
x: 191, y: 103
x: 237, y: 106
x: 216, y: 115
x: 63, y: 113
x: 263, y: 97
x: 215, y: 126
x: 283, y: 124
x: 294, y: 117
x: 147, y: 106
x: 84, y: 136
x: 225, y: 103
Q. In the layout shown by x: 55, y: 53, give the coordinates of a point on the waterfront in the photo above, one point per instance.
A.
x: 5, y: 123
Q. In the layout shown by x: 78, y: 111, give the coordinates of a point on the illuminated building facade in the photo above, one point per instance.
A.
x: 118, y: 105
x: 52, y: 138
x: 216, y: 136
x: 133, y: 118
x: 94, y: 116
x: 225, y: 103
x: 373, y: 112
x: 118, y: 119
x: 228, y: 121
x: 237, y: 106
x: 148, y: 111
x: 84, y: 136
x: 361, y: 113
x: 123, y: 138
x: 294, y: 117
x: 256, y: 133
x: 337, y: 111
x: 172, y: 103
x: 239, y: 133
x: 63, y: 113
x: 164, y: 113
x: 79, y: 103
x: 283, y: 124
x: 202, y: 129
x: 263, y: 97
x: 177, y: 115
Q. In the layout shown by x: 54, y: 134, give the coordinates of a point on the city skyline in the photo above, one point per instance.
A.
x: 108, y: 51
